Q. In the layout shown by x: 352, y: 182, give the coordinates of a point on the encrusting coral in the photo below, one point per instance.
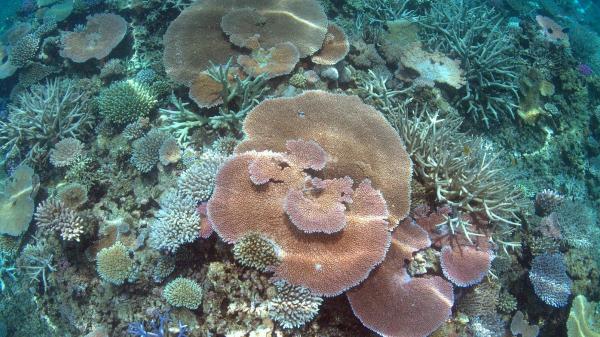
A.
x: 101, y: 35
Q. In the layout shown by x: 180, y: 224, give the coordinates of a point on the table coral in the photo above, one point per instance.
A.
x: 16, y: 201
x: 102, y: 33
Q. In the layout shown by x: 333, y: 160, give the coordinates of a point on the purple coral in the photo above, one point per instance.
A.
x: 585, y: 69
x: 548, y: 275
x: 159, y: 327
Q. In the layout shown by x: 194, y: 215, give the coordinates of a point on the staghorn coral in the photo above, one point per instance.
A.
x: 198, y: 181
x: 226, y: 86
x: 478, y: 183
x: 16, y: 201
x: 101, y: 35
x: 465, y: 265
x: 335, y: 46
x: 276, y: 61
x: 126, y: 101
x: 293, y: 306
x: 43, y: 115
x: 114, y: 265
x: 550, y: 281
x: 256, y: 251
x: 176, y: 223
x: 52, y: 215
x: 145, y: 152
x: 66, y: 152
x: 301, y: 22
x: 183, y: 292
x: 472, y: 31
x: 580, y: 318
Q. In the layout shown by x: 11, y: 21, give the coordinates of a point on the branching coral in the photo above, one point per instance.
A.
x: 464, y: 172
x: 198, y: 181
x: 126, y: 101
x: 176, y: 223
x: 473, y: 33
x: 146, y: 150
x: 293, y: 306
x: 41, y: 117
x: 183, y: 292
x: 53, y: 215
x: 66, y: 152
x: 180, y: 121
x: 235, y: 93
x: 114, y: 264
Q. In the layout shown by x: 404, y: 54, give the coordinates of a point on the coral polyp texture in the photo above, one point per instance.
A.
x: 183, y: 292
x: 53, y: 215
x: 176, y: 223
x: 114, y: 265
x: 102, y: 33
x: 256, y: 251
x: 325, y: 129
x: 550, y: 281
x: 126, y: 101
x: 293, y: 306
x: 335, y: 46
x: 386, y: 301
x: 465, y: 265
x: 66, y: 152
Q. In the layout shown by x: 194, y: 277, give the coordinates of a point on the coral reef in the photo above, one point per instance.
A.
x: 16, y: 201
x: 176, y: 223
x: 126, y: 101
x: 102, y: 33
x: 550, y: 281
x: 183, y: 292
x: 114, y: 265
x: 293, y: 306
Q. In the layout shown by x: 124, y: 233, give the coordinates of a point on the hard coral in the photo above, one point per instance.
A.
x: 42, y: 116
x: 362, y: 141
x: 16, y: 201
x: 66, y: 152
x: 386, y: 302
x: 256, y: 251
x: 550, y: 281
x: 114, y: 264
x: 301, y: 22
x: 293, y: 306
x: 126, y: 101
x: 465, y: 265
x: 53, y: 215
x: 101, y: 35
x: 186, y: 55
x: 183, y: 292
x: 146, y: 150
x: 198, y: 181
x: 433, y: 67
x: 176, y: 223
x: 276, y: 61
x: 307, y: 260
x: 335, y: 46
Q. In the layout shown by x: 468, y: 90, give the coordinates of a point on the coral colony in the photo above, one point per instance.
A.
x: 262, y: 168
